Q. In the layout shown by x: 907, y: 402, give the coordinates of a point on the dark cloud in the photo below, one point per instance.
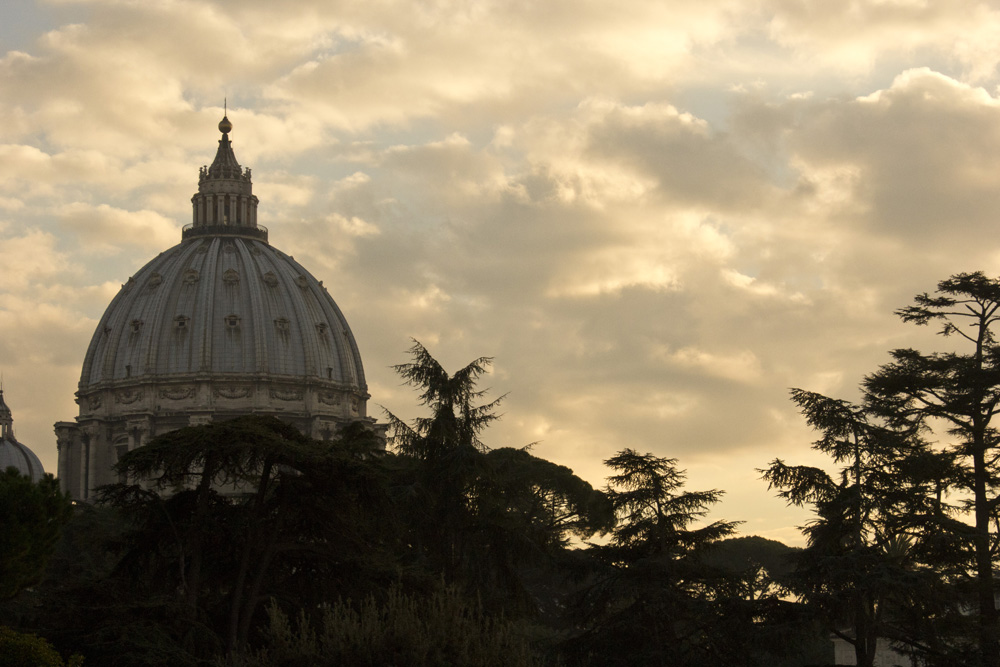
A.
x: 691, y: 164
x: 922, y: 156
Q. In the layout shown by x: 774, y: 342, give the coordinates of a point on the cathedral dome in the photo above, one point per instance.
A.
x: 218, y: 326
x: 226, y: 307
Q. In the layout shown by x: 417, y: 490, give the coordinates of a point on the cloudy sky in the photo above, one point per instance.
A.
x: 657, y: 216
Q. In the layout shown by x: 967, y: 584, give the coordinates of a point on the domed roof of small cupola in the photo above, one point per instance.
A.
x: 12, y: 453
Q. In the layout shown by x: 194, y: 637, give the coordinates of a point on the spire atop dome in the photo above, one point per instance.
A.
x: 225, y: 204
x: 6, y: 418
x: 225, y: 164
x: 224, y: 125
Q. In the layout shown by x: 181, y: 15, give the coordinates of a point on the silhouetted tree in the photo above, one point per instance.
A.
x: 762, y: 568
x: 455, y: 421
x: 481, y: 516
x: 654, y: 602
x: 238, y: 511
x: 31, y: 515
x: 856, y: 560
x: 447, y: 445
x: 956, y: 394
x: 553, y: 504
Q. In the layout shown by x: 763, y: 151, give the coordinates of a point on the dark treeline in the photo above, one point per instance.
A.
x: 246, y: 544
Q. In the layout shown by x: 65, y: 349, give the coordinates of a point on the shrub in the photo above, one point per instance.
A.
x: 18, y: 649
x: 441, y: 629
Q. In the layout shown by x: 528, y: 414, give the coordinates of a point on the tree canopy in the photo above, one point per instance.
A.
x: 31, y: 516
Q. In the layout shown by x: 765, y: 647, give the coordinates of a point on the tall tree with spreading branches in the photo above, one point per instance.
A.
x: 31, y: 516
x: 957, y: 395
x: 854, y: 564
x: 447, y: 445
x: 653, y: 600
x: 480, y: 515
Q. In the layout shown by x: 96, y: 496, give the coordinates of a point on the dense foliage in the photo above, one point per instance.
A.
x: 31, y: 516
x: 417, y: 631
x: 905, y: 538
x: 18, y: 649
x: 245, y: 544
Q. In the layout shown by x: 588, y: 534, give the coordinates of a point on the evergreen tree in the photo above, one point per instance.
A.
x: 296, y: 518
x: 654, y: 600
x: 451, y: 457
x: 956, y: 395
x: 31, y: 515
x: 455, y: 422
x: 855, y: 563
x: 480, y: 516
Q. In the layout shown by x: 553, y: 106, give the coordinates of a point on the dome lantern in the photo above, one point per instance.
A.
x: 6, y: 418
x: 224, y: 204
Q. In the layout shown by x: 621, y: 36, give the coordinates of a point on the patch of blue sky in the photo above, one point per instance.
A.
x: 23, y: 21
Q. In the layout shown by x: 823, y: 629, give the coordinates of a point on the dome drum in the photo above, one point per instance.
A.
x: 217, y: 396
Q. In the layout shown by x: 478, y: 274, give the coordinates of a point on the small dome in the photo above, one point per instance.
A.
x: 225, y: 126
x: 12, y: 453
